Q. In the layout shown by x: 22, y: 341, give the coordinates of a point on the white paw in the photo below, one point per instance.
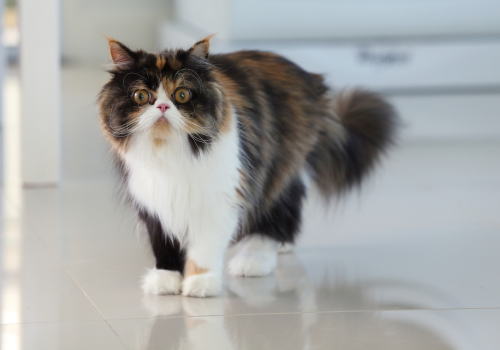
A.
x: 253, y: 264
x: 203, y: 285
x: 162, y: 282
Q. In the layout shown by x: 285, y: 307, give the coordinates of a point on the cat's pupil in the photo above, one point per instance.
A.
x: 141, y: 96
x: 182, y: 95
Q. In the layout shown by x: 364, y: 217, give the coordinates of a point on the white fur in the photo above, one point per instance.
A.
x: 204, y: 285
x: 162, y: 282
x: 194, y: 198
x: 258, y: 256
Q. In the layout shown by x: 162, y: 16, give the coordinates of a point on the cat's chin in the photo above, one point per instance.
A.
x: 161, y: 129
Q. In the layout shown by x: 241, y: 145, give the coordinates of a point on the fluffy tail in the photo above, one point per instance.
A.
x: 360, y: 129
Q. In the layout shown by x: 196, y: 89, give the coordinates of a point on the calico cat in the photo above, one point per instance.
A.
x: 220, y: 149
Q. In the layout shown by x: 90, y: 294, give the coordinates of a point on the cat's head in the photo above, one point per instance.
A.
x: 161, y: 95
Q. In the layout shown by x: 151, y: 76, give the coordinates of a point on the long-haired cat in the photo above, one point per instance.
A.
x: 216, y: 149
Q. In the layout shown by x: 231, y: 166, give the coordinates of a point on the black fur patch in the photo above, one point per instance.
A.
x: 167, y: 250
x: 199, y: 143
x: 282, y: 221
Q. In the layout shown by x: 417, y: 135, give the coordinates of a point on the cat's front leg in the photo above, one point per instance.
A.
x: 205, y: 253
x: 166, y: 276
x: 201, y: 281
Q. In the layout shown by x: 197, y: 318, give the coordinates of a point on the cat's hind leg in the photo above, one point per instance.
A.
x: 257, y: 256
x: 274, y: 232
x: 166, y: 277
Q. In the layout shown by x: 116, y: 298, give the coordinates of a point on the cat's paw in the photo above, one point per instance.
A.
x: 253, y: 264
x: 157, y: 281
x: 202, y: 285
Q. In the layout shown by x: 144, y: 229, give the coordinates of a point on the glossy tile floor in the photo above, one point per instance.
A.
x: 410, y: 262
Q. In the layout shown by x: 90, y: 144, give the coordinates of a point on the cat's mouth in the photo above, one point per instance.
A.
x: 162, y: 119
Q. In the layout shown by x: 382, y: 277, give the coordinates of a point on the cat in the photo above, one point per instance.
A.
x: 220, y: 149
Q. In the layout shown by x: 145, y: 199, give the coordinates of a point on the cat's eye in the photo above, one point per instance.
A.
x: 141, y: 97
x: 182, y: 95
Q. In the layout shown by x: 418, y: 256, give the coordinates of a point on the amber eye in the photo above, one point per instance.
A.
x: 141, y: 97
x: 182, y: 95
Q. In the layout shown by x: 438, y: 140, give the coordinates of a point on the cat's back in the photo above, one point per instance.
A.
x: 267, y: 69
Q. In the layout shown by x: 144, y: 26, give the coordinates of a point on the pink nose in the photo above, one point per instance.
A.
x: 163, y: 107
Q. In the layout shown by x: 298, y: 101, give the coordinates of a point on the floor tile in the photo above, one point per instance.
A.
x: 387, y: 330
x: 375, y: 217
x: 416, y: 240
x: 407, y: 274
x: 60, y: 336
x: 35, y: 287
x: 81, y: 222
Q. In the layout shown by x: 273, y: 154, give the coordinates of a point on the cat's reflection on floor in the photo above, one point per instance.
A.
x: 309, y: 327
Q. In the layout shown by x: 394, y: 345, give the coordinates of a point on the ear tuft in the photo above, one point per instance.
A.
x: 200, y: 49
x: 121, y: 56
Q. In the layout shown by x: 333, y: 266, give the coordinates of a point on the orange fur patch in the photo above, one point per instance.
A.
x: 191, y: 268
x: 192, y: 127
x: 161, y: 129
x: 230, y: 89
x: 174, y: 63
x: 239, y: 194
x: 160, y: 62
x: 234, y: 99
x: 169, y: 86
x: 227, y: 121
x: 119, y: 144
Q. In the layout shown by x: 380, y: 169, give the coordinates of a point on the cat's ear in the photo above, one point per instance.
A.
x: 122, y: 56
x: 200, y: 49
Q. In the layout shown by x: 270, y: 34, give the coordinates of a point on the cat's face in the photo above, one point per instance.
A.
x: 161, y: 96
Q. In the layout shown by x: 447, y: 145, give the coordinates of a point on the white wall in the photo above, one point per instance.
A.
x: 327, y: 19
x: 134, y: 22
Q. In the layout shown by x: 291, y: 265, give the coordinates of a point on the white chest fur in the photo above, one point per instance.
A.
x: 191, y: 196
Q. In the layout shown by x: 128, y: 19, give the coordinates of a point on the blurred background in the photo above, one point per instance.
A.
x: 423, y: 233
x: 438, y: 61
